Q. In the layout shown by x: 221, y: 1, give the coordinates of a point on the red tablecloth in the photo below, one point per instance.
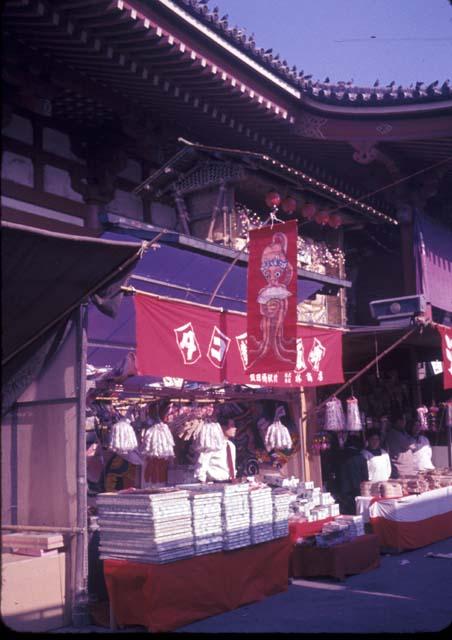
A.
x: 305, y: 529
x: 163, y: 597
x: 357, y: 556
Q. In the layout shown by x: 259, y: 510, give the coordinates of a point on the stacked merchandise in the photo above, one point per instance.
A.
x: 206, y: 518
x: 235, y: 516
x: 391, y: 489
x: 146, y: 525
x: 32, y: 543
x: 261, y: 513
x: 342, y: 529
x: 370, y: 489
x: 281, y: 499
x: 312, y: 504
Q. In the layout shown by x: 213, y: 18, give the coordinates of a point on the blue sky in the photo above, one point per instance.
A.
x: 412, y: 39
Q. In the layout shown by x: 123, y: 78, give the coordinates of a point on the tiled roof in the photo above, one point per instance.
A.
x: 339, y: 93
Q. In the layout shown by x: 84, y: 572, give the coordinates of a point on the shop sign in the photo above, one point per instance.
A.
x: 180, y: 340
x: 446, y: 344
x: 272, y: 298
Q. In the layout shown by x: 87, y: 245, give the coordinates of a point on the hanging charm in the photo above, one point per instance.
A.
x: 334, y: 415
x: 123, y: 437
x: 353, y: 417
x: 277, y: 436
x: 209, y: 437
x: 422, y: 413
x: 158, y: 442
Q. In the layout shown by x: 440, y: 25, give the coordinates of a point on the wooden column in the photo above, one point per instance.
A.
x: 312, y: 463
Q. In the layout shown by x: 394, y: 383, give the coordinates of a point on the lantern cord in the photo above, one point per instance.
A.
x: 273, y: 217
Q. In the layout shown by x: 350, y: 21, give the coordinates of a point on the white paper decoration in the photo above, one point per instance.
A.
x: 158, y: 441
x: 277, y: 435
x: 334, y: 416
x: 353, y: 417
x: 123, y: 438
x: 449, y: 413
x: 209, y: 437
x: 422, y: 417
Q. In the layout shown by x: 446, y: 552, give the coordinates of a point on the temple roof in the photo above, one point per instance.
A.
x: 326, y: 92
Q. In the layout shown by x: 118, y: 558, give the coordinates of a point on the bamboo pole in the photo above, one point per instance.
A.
x: 29, y: 527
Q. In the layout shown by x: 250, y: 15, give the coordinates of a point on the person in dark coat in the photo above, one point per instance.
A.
x: 352, y: 470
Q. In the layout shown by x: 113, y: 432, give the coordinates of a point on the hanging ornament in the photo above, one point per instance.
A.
x: 322, y: 217
x: 432, y: 418
x: 334, y: 415
x: 158, y: 442
x: 277, y: 436
x: 288, y: 205
x: 123, y: 437
x: 449, y: 413
x: 308, y: 211
x: 272, y: 199
x: 209, y: 437
x: 353, y: 417
x: 334, y: 220
x: 422, y: 413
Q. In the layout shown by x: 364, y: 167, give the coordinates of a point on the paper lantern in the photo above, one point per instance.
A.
x: 322, y: 217
x: 308, y: 211
x: 272, y: 199
x: 335, y: 220
x: 289, y: 204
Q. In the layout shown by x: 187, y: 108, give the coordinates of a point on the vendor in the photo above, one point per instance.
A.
x: 422, y: 453
x: 219, y: 466
x: 378, y: 462
x: 352, y: 470
x: 400, y: 446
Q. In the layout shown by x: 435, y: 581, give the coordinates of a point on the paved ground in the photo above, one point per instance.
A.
x: 408, y: 593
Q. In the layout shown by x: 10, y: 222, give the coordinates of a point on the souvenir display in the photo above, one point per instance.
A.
x: 422, y: 413
x: 353, y: 422
x: 277, y: 436
x: 236, y: 516
x: 334, y: 415
x: 123, y: 437
x: 209, y: 437
x: 158, y: 442
x: 261, y: 513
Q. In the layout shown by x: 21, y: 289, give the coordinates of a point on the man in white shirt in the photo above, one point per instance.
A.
x: 219, y: 466
x: 423, y: 451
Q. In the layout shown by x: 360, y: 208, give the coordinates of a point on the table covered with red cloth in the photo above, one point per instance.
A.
x: 412, y: 521
x: 357, y: 556
x: 163, y: 597
x: 305, y: 529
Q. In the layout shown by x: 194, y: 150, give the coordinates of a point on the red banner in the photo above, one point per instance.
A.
x: 446, y: 344
x: 272, y: 298
x: 182, y: 340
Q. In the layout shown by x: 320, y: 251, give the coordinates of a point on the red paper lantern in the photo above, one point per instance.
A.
x: 322, y: 217
x: 272, y: 199
x: 335, y: 220
x: 308, y: 211
x: 288, y: 205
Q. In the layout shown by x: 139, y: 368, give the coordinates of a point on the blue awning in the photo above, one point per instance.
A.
x: 176, y: 273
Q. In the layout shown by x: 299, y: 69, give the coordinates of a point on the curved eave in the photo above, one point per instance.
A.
x: 363, y: 111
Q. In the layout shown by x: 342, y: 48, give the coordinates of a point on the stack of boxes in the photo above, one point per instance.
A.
x: 261, y: 514
x: 235, y: 516
x: 342, y: 529
x: 146, y: 525
x: 206, y: 518
x: 281, y: 500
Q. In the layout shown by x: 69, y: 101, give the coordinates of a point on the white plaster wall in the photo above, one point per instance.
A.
x: 58, y: 143
x: 127, y: 205
x: 20, y: 129
x: 58, y: 182
x: 163, y: 215
x: 17, y: 168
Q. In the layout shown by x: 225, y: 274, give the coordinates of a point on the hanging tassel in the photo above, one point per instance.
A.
x: 422, y: 417
x: 334, y: 415
x: 158, y: 442
x: 353, y: 417
x: 123, y: 438
x: 209, y: 437
x: 277, y: 436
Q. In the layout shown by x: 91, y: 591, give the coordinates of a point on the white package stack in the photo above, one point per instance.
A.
x: 236, y: 516
x: 281, y: 499
x: 261, y: 514
x: 206, y: 518
x: 355, y: 523
x: 145, y: 526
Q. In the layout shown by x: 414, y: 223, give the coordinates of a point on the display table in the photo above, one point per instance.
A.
x: 362, y: 504
x: 357, y: 556
x: 163, y: 597
x: 413, y: 521
x: 306, y: 529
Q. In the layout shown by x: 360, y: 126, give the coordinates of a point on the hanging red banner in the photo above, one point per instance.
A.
x: 446, y: 344
x: 182, y: 340
x: 272, y: 298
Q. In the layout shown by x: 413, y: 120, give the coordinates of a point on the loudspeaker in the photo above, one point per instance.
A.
x: 393, y: 309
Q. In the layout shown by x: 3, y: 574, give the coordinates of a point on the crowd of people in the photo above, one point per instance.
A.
x: 402, y: 451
